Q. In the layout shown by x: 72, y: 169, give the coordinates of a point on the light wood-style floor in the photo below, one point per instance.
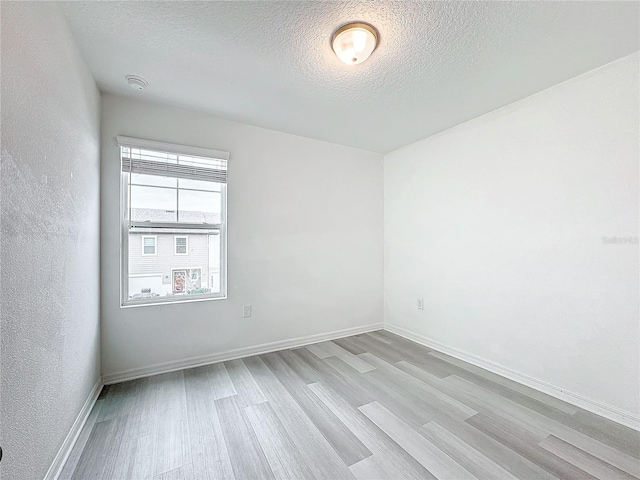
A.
x: 368, y: 406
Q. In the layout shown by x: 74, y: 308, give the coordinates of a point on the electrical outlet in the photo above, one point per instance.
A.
x: 246, y: 311
x: 421, y: 304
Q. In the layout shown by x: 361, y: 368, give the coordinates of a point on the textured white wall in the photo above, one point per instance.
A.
x: 304, y: 240
x: 49, y: 231
x: 498, y: 224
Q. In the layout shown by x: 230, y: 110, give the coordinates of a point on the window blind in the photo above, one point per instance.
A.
x: 170, y: 160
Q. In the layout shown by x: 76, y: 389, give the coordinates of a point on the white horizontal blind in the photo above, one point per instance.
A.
x: 166, y: 160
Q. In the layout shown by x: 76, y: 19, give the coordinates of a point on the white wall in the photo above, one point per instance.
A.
x: 304, y: 240
x: 49, y: 231
x: 499, y: 223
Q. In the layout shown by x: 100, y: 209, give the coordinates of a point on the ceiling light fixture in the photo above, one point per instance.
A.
x: 354, y: 42
x: 136, y: 82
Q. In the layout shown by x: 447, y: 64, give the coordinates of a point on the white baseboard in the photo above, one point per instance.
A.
x: 72, y: 437
x: 234, y: 354
x: 615, y: 414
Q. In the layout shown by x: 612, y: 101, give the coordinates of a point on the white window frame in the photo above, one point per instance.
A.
x: 155, y: 245
x: 129, y: 227
x: 175, y: 244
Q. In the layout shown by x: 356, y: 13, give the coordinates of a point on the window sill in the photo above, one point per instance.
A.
x: 173, y: 301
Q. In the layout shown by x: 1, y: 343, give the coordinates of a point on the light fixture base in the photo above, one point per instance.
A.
x: 354, y: 42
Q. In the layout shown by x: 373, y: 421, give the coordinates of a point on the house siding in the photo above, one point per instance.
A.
x: 165, y: 260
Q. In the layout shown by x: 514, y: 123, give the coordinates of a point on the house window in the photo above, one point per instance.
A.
x: 172, y: 197
x: 149, y: 245
x: 180, y: 245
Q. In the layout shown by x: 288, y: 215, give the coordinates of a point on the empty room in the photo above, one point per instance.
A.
x: 303, y: 239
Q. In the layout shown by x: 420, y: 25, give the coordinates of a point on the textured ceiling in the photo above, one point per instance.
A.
x: 270, y: 63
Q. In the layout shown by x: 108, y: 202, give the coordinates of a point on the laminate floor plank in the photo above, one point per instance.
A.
x: 375, y: 468
x: 147, y: 406
x: 349, y: 346
x: 536, y: 422
x: 502, y: 455
x: 184, y: 472
x: 135, y: 456
x: 511, y: 435
x: 389, y: 394
x: 431, y: 457
x: 478, y: 399
x: 583, y: 460
x: 433, y: 365
x: 381, y: 338
x: 620, y: 437
x: 295, y: 362
x: 247, y: 389
x: 221, y: 384
x: 392, y: 336
x: 598, y: 449
x: 379, y: 443
x: 421, y: 374
x: 315, y: 449
x: 369, y: 406
x: 402, y: 348
x: 436, y: 399
x: 330, y: 349
x: 137, y: 448
x: 320, y: 350
x: 500, y: 406
x: 510, y: 384
x: 444, y: 365
x: 418, y: 355
x: 541, y: 403
x: 625, y: 439
x: 349, y: 358
x: 543, y: 407
x: 247, y: 457
x: 280, y: 449
x: 343, y: 441
x: 356, y: 393
x: 464, y: 454
x: 172, y: 442
x: 378, y: 348
x: 209, y: 454
x: 99, y: 454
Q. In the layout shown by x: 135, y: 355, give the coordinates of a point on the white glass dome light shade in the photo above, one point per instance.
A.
x: 354, y: 42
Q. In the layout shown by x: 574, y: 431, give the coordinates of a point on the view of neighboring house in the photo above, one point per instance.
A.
x: 174, y: 261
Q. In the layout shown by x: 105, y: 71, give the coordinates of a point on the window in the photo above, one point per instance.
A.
x: 149, y: 245
x: 173, y: 222
x: 180, y: 245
